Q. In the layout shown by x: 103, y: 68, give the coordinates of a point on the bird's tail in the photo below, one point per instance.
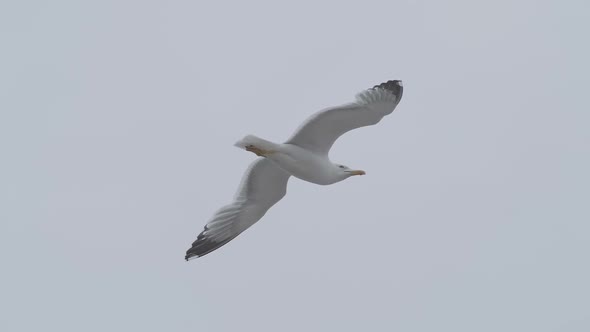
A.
x: 251, y: 140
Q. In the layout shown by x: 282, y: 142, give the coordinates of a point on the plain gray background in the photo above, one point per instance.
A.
x: 118, y: 119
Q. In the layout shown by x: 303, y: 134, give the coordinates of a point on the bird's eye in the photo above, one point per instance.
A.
x: 341, y: 166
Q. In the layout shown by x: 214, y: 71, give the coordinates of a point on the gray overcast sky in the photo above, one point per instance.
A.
x: 118, y: 119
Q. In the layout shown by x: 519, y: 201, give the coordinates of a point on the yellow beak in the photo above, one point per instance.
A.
x: 357, y: 172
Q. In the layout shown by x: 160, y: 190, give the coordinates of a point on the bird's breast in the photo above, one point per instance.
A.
x: 305, y: 165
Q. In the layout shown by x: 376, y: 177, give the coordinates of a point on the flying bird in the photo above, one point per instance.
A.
x: 304, y: 156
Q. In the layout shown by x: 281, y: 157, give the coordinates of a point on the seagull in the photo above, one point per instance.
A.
x: 304, y: 156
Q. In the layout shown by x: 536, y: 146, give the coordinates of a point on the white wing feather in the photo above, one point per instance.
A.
x: 262, y: 186
x: 319, y: 132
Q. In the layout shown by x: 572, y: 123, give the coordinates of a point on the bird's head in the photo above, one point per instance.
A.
x: 346, y: 171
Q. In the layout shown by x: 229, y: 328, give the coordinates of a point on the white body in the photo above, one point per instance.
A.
x: 297, y: 161
x: 304, y: 165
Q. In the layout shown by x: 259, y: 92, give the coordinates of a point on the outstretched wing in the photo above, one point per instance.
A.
x: 263, y: 185
x: 320, y: 131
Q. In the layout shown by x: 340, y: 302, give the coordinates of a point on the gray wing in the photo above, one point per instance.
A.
x: 263, y: 185
x: 319, y: 132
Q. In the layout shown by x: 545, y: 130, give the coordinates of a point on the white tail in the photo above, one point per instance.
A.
x: 255, y: 141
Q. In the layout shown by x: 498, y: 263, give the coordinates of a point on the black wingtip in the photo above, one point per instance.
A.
x: 394, y: 86
x: 202, y: 246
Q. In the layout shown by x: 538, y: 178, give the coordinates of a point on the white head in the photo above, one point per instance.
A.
x: 346, y: 172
